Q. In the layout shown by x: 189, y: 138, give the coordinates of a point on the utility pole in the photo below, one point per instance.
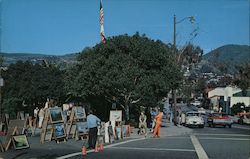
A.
x: 173, y: 90
x: 192, y: 20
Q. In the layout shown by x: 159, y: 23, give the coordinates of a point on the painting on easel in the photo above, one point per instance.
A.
x: 82, y: 127
x: 59, y: 130
x: 115, y: 115
x: 80, y: 113
x: 56, y: 115
x: 20, y: 142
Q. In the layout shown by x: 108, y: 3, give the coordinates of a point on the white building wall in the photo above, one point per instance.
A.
x: 235, y: 100
x: 223, y: 91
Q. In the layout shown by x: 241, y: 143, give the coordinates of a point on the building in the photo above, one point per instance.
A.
x: 226, y: 97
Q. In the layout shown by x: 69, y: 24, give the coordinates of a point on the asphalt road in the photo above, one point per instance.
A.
x: 214, y: 143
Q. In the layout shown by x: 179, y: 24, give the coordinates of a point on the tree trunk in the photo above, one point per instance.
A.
x: 127, y: 109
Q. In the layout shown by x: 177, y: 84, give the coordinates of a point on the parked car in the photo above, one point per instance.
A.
x: 222, y: 119
x: 244, y: 118
x: 234, y: 118
x: 194, y: 118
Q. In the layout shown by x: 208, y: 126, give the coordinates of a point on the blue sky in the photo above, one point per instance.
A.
x: 68, y: 26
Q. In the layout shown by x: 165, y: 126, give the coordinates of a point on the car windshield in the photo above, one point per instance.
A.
x: 192, y: 114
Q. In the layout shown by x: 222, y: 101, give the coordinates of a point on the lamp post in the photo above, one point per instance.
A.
x: 192, y: 20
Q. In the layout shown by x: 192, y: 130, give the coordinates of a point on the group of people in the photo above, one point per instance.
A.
x: 156, y: 116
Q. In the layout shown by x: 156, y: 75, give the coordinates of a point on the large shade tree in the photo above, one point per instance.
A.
x: 132, y: 70
x: 29, y: 85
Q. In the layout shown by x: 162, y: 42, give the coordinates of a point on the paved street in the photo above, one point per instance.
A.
x: 217, y: 143
x: 175, y: 143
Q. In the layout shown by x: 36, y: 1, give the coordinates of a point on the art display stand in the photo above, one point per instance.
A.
x: 71, y: 125
x: 1, y: 146
x: 11, y: 131
x: 16, y: 127
x: 47, y: 129
x: 53, y: 126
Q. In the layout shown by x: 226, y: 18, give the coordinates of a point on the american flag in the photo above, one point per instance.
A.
x: 103, y: 39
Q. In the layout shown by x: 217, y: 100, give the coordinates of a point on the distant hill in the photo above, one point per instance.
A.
x: 220, y: 60
x: 10, y: 58
x: 226, y: 57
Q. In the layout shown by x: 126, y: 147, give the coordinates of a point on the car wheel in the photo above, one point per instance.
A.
x: 201, y: 126
x: 230, y: 125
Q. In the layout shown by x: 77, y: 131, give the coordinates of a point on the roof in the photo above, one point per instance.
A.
x: 239, y: 94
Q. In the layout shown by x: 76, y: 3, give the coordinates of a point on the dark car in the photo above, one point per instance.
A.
x: 222, y: 119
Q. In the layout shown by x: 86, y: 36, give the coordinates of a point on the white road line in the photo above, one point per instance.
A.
x: 198, y: 148
x: 152, y: 149
x: 108, y: 146
x: 239, y: 127
x: 221, y: 138
x: 221, y: 134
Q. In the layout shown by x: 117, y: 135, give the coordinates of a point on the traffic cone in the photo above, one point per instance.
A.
x: 83, y: 151
x: 96, y: 147
x: 101, y: 147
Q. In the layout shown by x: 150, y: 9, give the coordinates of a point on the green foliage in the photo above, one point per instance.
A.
x: 32, y: 84
x: 132, y: 69
x: 10, y: 106
x: 237, y: 108
x: 243, y: 79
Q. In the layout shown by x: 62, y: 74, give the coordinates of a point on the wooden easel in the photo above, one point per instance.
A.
x: 1, y: 146
x: 71, y: 130
x: 8, y: 137
x: 47, y: 129
x: 71, y: 125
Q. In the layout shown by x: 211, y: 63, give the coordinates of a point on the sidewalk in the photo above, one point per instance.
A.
x: 169, y: 130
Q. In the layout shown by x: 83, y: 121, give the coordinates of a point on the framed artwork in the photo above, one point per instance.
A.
x: 65, y: 107
x: 126, y: 130
x: 56, y: 115
x: 48, y: 134
x: 115, y: 115
x: 59, y: 130
x: 20, y: 142
x: 82, y: 128
x: 80, y: 113
x: 118, y: 132
x: 101, y: 130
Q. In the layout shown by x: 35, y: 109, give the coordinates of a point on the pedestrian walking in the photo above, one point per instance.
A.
x: 92, y: 121
x: 157, y: 128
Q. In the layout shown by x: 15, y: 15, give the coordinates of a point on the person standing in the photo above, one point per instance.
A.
x: 157, y: 128
x: 92, y: 121
x: 142, y: 123
x: 41, y: 117
x: 35, y: 116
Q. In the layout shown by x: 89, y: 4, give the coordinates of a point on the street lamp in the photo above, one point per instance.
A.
x: 192, y: 20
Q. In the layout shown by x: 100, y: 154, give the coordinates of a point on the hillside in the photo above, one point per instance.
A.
x: 226, y: 57
x: 10, y: 58
x: 229, y: 54
x: 220, y: 60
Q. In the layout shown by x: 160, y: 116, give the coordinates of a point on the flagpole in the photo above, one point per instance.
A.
x: 103, y: 38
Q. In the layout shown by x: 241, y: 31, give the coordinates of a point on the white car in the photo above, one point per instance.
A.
x: 194, y: 118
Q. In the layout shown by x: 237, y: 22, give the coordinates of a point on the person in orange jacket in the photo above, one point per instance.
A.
x: 157, y: 128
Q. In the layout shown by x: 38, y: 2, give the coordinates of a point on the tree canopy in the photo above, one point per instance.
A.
x: 130, y: 69
x: 31, y: 85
